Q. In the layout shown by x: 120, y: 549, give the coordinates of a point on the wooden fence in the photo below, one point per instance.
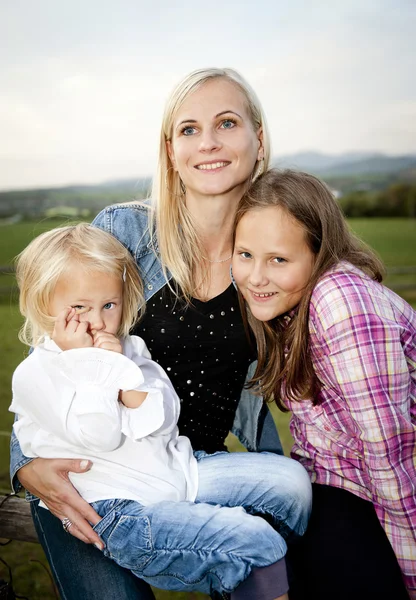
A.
x: 16, y: 520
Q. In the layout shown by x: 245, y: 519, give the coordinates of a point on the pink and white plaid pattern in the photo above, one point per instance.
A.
x: 362, y: 436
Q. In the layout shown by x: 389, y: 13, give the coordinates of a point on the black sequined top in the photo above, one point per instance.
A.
x: 205, y: 351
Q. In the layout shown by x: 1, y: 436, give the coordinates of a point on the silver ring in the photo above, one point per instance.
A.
x: 66, y: 524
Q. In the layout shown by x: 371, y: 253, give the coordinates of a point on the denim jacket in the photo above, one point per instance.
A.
x: 253, y: 424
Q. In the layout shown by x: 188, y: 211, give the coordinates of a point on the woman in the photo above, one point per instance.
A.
x: 214, y: 142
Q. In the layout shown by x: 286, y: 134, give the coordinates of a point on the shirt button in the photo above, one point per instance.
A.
x: 327, y: 428
x: 149, y: 287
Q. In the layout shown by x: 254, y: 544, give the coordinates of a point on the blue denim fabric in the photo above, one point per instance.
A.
x: 204, y: 546
x: 80, y: 571
x: 263, y: 483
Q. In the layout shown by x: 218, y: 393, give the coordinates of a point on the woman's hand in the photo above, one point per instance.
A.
x: 47, y: 478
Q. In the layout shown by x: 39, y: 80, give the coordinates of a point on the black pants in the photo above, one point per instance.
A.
x: 345, y: 553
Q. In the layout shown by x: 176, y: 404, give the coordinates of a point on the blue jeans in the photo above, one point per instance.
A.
x: 80, y: 571
x: 212, y: 544
x: 178, y: 545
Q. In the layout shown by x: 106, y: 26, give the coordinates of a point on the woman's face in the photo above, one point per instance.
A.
x: 272, y: 262
x: 214, y: 146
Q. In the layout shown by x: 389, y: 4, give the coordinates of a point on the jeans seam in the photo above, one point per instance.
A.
x: 183, y: 581
x: 278, y: 524
x: 50, y: 557
x: 195, y: 581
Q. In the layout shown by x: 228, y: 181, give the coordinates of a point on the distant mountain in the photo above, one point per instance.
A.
x: 139, y: 183
x: 343, y: 172
x: 142, y: 183
x: 351, y: 163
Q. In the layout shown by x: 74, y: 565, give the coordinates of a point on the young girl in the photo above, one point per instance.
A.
x: 91, y: 391
x: 338, y: 349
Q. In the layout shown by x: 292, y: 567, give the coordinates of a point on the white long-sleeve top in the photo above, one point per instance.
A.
x: 67, y: 406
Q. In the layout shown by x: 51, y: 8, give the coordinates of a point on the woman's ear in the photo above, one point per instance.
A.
x: 260, y: 154
x: 171, y: 154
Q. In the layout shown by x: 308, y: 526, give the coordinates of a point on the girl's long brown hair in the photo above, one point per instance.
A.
x: 284, y: 367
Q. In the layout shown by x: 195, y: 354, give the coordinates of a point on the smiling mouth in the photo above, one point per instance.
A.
x: 264, y: 295
x: 212, y: 166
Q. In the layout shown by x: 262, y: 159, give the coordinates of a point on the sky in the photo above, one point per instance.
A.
x: 83, y: 82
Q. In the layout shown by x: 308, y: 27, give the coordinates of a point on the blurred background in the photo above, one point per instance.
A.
x: 83, y: 84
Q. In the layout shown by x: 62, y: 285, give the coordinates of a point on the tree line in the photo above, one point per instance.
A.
x: 397, y: 200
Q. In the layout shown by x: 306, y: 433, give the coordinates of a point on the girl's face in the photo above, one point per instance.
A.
x: 272, y: 262
x: 97, y: 296
x: 214, y: 146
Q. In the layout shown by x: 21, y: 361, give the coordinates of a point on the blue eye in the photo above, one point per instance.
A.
x: 245, y: 255
x: 109, y: 305
x: 279, y: 260
x: 188, y: 130
x: 228, y: 124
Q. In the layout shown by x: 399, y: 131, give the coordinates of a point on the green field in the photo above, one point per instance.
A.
x: 393, y: 239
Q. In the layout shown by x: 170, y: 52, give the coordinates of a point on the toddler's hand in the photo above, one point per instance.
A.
x: 107, y: 341
x: 69, y: 332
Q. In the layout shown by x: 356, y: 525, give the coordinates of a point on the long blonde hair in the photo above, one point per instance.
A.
x: 178, y: 241
x: 284, y: 365
x: 50, y: 255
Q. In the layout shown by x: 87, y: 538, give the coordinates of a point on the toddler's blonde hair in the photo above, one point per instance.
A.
x: 49, y: 256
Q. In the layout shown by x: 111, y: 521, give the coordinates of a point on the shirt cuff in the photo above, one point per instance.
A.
x: 137, y: 423
x: 104, y: 368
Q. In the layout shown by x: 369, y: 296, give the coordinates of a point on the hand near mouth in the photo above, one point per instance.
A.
x: 106, y: 341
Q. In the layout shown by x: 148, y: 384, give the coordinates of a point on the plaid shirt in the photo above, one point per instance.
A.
x: 362, y: 435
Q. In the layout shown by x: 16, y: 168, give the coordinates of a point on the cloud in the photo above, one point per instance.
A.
x: 84, y: 84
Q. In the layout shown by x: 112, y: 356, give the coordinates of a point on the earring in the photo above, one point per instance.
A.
x: 259, y: 171
x: 181, y: 185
